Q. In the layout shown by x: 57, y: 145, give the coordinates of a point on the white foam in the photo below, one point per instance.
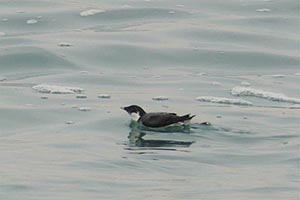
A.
x: 84, y: 109
x: 91, y: 12
x: 297, y: 74
x: 247, y: 91
x: 69, y: 122
x: 126, y: 6
x: 215, y: 83
x: 263, y: 10
x: 278, y: 76
x: 55, y: 89
x: 2, y: 34
x: 4, y: 20
x: 245, y: 83
x: 201, y: 74
x: 31, y: 21
x: 223, y: 100
x: 160, y: 98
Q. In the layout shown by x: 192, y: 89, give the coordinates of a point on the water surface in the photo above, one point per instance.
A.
x: 134, y: 51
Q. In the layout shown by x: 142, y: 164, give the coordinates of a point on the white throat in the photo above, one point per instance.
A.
x: 135, y: 116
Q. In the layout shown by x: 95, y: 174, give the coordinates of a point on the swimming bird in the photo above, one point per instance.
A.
x: 156, y: 119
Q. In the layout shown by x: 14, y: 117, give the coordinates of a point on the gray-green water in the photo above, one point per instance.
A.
x: 134, y: 51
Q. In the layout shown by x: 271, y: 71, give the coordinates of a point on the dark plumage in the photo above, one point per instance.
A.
x: 155, y: 120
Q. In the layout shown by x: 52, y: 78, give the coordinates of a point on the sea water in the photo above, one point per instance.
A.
x: 66, y: 68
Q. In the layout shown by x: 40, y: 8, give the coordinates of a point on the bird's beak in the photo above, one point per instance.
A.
x: 122, y: 108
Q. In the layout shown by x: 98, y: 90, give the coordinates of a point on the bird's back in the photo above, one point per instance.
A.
x: 162, y: 119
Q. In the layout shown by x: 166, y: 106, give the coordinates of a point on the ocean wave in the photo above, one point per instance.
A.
x: 247, y: 91
x: 91, y: 12
x: 223, y: 100
x: 55, y: 89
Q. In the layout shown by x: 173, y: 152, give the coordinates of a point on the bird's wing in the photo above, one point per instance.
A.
x: 160, y: 119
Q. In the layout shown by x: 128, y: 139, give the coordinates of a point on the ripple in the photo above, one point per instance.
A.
x: 160, y: 98
x: 18, y: 59
x: 81, y: 96
x: 104, y: 96
x: 15, y: 187
x: 65, y: 44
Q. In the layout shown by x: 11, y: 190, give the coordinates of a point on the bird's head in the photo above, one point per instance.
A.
x: 134, y: 111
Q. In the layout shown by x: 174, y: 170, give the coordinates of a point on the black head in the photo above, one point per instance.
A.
x: 134, y: 109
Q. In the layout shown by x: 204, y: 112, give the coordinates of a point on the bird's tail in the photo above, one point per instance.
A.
x: 187, y: 118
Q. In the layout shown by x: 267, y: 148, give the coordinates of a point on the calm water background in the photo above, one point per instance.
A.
x: 134, y: 51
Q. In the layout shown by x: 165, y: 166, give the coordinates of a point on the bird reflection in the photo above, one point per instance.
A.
x: 136, y: 140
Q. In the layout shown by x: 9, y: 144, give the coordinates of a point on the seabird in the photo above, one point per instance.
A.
x: 156, y: 119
